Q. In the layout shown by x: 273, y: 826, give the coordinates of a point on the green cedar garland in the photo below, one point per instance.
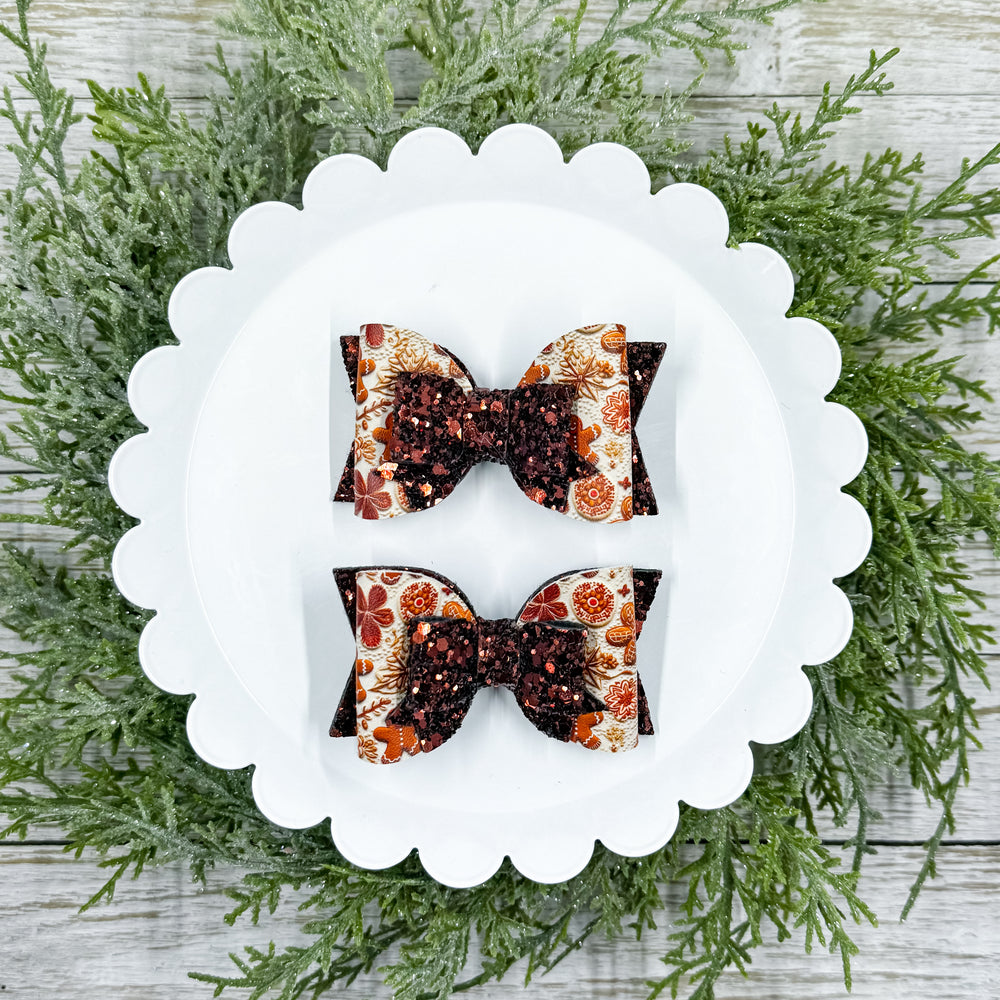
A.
x: 93, y: 253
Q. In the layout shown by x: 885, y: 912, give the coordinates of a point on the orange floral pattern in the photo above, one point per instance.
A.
x: 364, y: 449
x: 622, y: 700
x: 545, y: 606
x: 593, y: 603
x: 370, y: 496
x: 418, y: 599
x: 594, y: 498
x: 616, y: 413
x: 587, y: 373
x: 596, y: 597
x: 372, y: 616
x: 367, y: 749
x: 382, y: 638
x: 599, y: 667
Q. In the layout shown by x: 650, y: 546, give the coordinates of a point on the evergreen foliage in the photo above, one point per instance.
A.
x: 93, y: 252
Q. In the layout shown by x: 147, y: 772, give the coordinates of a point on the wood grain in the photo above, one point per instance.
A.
x: 948, y: 46
x: 161, y: 927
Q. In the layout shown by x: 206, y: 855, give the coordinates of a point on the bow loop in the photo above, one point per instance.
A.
x: 549, y: 686
x: 442, y: 679
x: 427, y: 425
x: 544, y: 472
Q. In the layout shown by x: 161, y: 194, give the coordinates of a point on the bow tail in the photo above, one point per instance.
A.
x: 644, y: 582
x: 345, y: 488
x: 643, y: 361
x: 349, y: 350
x: 345, y: 721
x: 429, y: 456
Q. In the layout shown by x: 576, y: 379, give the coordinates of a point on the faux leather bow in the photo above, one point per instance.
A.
x: 568, y: 656
x: 567, y: 432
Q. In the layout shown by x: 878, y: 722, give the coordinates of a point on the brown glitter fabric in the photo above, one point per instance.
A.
x: 567, y: 432
x: 643, y: 363
x: 422, y: 654
x: 451, y: 658
x: 350, y: 352
x: 645, y: 582
x: 439, y: 432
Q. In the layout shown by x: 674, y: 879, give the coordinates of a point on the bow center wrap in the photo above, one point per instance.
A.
x: 499, y: 645
x: 485, y: 424
x: 451, y: 658
x: 439, y: 432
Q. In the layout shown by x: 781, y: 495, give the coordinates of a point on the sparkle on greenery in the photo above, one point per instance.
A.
x: 93, y: 252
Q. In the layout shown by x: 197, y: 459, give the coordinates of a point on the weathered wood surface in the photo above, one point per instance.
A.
x: 945, y: 105
x: 162, y: 926
x: 948, y: 46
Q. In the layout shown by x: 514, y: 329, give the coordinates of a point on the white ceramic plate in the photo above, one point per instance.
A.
x: 493, y: 256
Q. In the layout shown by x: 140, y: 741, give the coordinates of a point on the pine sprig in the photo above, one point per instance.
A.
x: 88, y: 745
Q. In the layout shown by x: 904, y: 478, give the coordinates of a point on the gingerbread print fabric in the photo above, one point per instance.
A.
x: 567, y: 431
x: 385, y: 601
x: 604, y: 601
x: 593, y: 361
x: 569, y: 657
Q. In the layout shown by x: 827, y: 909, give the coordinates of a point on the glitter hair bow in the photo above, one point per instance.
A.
x: 422, y: 654
x: 566, y: 432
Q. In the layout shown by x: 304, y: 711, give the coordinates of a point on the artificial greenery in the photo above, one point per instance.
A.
x: 93, y: 250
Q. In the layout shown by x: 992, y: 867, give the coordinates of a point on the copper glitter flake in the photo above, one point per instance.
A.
x: 416, y: 672
x: 421, y: 424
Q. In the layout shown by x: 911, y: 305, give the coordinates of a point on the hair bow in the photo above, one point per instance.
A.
x: 567, y: 432
x: 422, y: 654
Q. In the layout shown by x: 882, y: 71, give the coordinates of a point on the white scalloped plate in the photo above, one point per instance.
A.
x: 491, y: 255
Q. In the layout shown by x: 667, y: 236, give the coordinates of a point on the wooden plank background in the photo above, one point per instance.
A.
x: 945, y: 104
